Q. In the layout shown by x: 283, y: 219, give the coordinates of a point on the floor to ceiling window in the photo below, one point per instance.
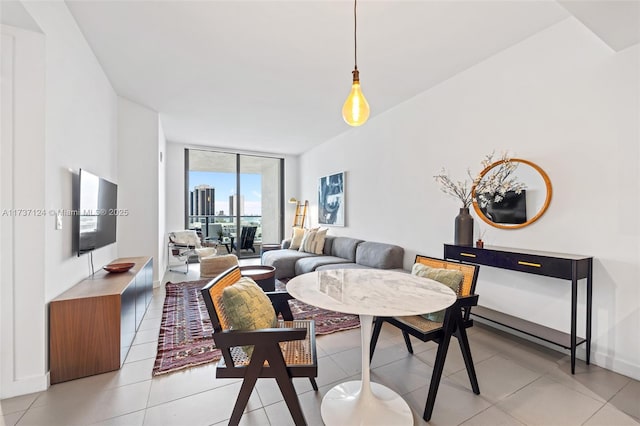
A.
x: 234, y: 200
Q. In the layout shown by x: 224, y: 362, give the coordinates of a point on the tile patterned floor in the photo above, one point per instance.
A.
x: 521, y: 384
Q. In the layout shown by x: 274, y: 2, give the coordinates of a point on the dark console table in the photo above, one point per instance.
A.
x: 557, y: 265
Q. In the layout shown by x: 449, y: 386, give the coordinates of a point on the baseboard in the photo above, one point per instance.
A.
x: 621, y: 367
x: 597, y: 358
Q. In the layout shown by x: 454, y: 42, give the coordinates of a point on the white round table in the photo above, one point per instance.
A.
x: 368, y: 293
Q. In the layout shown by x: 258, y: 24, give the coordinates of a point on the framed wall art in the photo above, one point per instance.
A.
x: 331, y: 201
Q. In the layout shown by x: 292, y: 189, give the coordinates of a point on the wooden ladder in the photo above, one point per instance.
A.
x: 301, y: 213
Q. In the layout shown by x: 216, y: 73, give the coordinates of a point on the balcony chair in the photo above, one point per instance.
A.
x: 439, y: 327
x: 282, y: 350
x: 185, y: 244
x: 247, y: 236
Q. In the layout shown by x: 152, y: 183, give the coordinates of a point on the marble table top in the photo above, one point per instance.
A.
x: 371, y: 292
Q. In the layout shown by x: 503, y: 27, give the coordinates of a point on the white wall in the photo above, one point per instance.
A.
x: 22, y: 163
x: 175, y: 187
x: 160, y: 259
x: 78, y: 125
x: 139, y: 136
x: 561, y: 99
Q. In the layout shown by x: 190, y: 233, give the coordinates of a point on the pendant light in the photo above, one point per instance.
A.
x: 355, y: 110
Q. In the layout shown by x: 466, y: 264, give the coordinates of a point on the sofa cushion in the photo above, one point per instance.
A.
x: 379, y: 255
x: 345, y: 248
x: 354, y: 266
x: 284, y: 261
x: 313, y: 241
x: 328, y: 244
x: 309, y: 264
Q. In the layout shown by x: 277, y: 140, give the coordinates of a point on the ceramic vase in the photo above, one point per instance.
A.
x: 463, y: 235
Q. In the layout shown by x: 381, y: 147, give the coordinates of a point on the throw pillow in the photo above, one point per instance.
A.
x: 248, y: 308
x: 307, y: 244
x: 321, y: 235
x: 296, y: 238
x: 452, y: 278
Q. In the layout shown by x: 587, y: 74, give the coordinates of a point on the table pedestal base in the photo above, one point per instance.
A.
x: 346, y: 405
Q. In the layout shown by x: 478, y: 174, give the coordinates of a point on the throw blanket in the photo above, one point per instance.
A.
x: 186, y: 238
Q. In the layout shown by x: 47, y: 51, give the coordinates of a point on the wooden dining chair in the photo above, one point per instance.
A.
x: 454, y: 323
x: 282, y: 352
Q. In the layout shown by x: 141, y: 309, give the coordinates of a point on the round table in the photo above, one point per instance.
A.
x: 368, y: 293
x: 263, y: 275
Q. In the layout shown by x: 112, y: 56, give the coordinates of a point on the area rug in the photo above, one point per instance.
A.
x: 185, y: 331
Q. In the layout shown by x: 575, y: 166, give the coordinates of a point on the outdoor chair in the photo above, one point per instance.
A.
x: 453, y: 322
x: 247, y: 236
x: 283, y: 351
x: 185, y: 244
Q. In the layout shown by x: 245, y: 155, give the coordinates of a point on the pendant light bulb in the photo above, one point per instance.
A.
x: 355, y: 110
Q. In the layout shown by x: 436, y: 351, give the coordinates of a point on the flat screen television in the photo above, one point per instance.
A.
x: 510, y: 210
x: 97, y: 204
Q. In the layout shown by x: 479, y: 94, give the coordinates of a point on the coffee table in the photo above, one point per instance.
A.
x: 263, y: 275
x: 368, y: 293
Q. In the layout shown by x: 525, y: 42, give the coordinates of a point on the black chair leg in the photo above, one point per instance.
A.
x: 314, y: 385
x: 438, y: 367
x: 249, y: 382
x: 377, y: 326
x: 286, y: 386
x: 461, y: 334
x: 407, y: 341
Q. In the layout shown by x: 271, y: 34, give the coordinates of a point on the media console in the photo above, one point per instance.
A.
x: 557, y: 265
x: 92, y: 325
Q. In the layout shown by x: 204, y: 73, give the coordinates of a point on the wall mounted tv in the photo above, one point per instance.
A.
x: 97, y: 201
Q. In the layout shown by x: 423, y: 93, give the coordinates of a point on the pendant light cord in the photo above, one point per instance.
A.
x: 355, y: 34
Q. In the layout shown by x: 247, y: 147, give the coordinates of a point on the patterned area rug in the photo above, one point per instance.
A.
x: 185, y: 331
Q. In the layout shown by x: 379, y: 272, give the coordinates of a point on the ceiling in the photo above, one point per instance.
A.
x: 271, y: 76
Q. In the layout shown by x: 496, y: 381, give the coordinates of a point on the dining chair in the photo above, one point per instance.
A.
x: 439, y: 329
x: 285, y: 350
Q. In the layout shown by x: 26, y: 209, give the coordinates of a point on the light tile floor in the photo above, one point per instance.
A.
x: 521, y: 383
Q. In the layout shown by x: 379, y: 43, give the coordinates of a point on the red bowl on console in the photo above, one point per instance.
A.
x: 119, y: 267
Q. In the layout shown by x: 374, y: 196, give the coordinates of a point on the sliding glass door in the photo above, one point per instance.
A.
x: 234, y: 200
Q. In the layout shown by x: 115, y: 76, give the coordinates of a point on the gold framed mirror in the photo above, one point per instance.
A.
x: 517, y: 208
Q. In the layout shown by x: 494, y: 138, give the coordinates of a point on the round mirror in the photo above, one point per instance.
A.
x: 511, y: 194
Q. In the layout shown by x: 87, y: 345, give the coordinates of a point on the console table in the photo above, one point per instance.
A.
x: 92, y: 325
x: 557, y: 265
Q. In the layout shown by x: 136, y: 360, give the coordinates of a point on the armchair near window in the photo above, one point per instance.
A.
x: 184, y: 244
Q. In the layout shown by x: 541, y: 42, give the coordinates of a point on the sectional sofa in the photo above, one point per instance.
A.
x: 338, y: 252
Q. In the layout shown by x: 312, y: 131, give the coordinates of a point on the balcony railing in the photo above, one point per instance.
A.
x: 216, y: 227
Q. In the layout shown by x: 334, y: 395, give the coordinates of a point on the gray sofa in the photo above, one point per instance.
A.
x: 338, y: 252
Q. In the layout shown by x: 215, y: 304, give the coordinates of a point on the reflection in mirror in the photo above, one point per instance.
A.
x: 526, y: 199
